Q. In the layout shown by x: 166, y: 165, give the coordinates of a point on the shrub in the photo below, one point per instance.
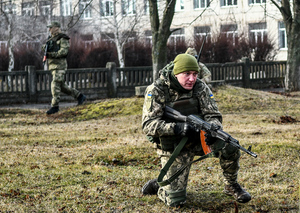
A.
x: 4, y: 59
x: 219, y: 49
x: 138, y: 54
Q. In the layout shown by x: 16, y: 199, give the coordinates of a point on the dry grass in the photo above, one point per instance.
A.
x: 94, y: 158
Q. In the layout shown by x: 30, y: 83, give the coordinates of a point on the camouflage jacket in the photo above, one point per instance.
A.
x: 153, y: 122
x: 205, y: 74
x: 58, y: 48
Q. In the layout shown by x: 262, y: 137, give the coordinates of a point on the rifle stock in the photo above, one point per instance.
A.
x: 45, y: 54
x: 207, y: 127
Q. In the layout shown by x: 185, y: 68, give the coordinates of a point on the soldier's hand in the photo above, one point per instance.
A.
x: 184, y: 129
x: 209, y: 138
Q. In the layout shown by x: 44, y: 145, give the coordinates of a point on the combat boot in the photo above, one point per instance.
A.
x: 150, y: 188
x: 52, y: 110
x: 235, y: 190
x: 81, y: 98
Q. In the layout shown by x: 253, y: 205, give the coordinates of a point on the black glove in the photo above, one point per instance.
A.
x: 184, y: 129
x: 209, y: 139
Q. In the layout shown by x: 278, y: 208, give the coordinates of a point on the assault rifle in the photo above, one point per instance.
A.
x: 207, y: 127
x: 45, y: 54
x: 200, y: 51
x: 200, y: 125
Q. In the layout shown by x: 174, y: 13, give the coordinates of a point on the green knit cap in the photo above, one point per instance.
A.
x: 185, y: 62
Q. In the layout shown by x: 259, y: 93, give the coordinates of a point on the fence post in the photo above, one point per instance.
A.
x: 32, y: 88
x: 111, y: 79
x: 246, y: 72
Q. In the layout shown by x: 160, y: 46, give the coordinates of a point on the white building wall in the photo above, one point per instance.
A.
x: 214, y: 16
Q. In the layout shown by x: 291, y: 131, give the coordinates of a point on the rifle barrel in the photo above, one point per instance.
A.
x: 174, y: 114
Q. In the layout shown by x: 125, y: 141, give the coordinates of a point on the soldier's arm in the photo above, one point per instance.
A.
x: 153, y: 123
x: 208, y: 106
x: 205, y: 73
x: 63, y: 51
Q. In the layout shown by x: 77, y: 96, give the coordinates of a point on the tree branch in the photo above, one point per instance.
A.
x: 70, y: 25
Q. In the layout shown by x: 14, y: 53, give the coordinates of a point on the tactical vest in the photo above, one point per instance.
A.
x: 52, y: 42
x: 185, y: 106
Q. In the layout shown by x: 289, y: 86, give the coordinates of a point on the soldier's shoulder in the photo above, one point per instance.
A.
x: 199, y: 86
x: 200, y: 83
x: 62, y: 36
x: 154, y: 89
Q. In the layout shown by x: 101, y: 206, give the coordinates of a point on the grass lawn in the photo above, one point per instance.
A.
x: 95, y: 158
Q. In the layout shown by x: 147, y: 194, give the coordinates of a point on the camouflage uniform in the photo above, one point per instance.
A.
x: 58, y: 48
x: 157, y: 96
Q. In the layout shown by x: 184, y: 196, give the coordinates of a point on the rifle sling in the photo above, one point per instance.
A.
x: 174, y: 155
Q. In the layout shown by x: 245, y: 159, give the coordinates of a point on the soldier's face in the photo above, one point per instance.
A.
x: 52, y: 30
x: 187, y: 79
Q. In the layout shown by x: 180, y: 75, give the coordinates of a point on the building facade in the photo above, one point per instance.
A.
x: 102, y: 19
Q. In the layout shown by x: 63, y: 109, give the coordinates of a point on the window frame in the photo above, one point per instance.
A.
x: 259, y: 30
x: 45, y: 8
x: 66, y: 7
x: 231, y: 31
x: 177, y: 36
x: 28, y: 9
x: 86, y: 6
x: 179, y: 7
x: 106, y: 8
x: 254, y: 2
x: 282, y: 38
x: 128, y: 7
x: 198, y: 4
x: 228, y: 3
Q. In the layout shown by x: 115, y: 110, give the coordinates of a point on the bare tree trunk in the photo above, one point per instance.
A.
x: 292, y: 77
x: 292, y: 26
x: 10, y: 42
x: 160, y: 33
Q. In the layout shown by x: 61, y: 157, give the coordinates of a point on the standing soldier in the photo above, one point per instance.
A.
x: 178, y: 87
x: 204, y: 74
x: 57, y: 48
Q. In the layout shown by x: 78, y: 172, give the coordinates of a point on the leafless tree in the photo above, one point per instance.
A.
x: 9, y: 17
x: 291, y: 17
x: 160, y: 28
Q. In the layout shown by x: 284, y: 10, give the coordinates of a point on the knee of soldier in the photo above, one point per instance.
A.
x: 228, y: 152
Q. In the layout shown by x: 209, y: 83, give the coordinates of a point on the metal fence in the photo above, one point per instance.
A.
x: 35, y: 85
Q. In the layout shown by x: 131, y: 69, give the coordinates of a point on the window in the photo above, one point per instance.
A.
x: 87, y: 40
x: 282, y: 35
x: 201, y: 4
x: 66, y: 8
x: 230, y: 31
x: 177, y: 37
x: 85, y: 10
x: 257, y: 32
x: 146, y: 7
x: 228, y: 3
x: 10, y: 7
x: 257, y: 1
x: 148, y: 37
x: 28, y: 9
x: 179, y: 6
x: 45, y: 8
x: 202, y: 32
x: 107, y: 37
x: 128, y: 7
x: 106, y: 8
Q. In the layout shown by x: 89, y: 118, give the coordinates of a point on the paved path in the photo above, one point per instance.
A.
x: 39, y: 105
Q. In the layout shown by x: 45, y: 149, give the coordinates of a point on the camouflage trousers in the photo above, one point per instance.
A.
x: 174, y: 194
x: 58, y: 85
